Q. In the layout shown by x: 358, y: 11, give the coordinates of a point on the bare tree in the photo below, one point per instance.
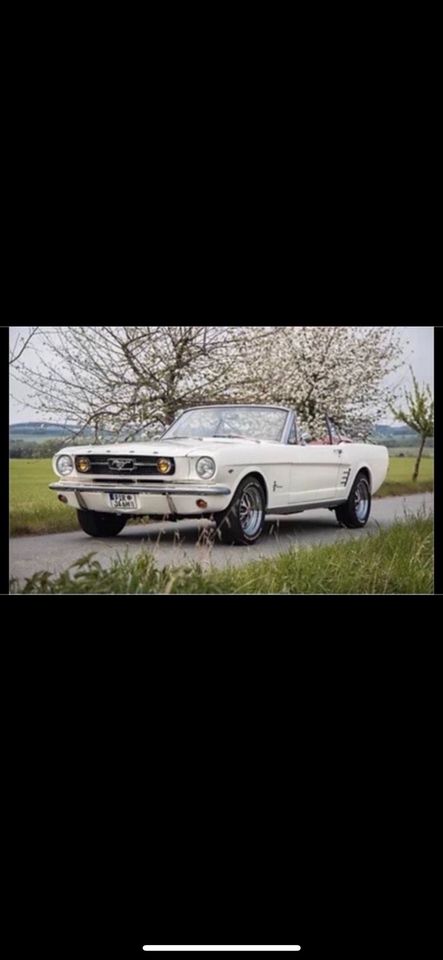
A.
x: 134, y: 380
x: 21, y: 343
x: 419, y: 416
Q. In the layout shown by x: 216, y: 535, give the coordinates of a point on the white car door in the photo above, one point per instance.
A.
x: 315, y: 474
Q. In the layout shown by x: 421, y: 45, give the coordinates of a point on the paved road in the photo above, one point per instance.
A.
x: 186, y: 541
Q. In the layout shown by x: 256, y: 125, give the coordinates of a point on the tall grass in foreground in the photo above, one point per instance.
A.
x: 395, y: 561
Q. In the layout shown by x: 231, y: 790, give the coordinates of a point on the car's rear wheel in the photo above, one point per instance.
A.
x: 243, y: 522
x: 356, y: 511
x: 100, y: 524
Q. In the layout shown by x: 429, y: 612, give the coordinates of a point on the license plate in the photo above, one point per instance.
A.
x: 123, y: 501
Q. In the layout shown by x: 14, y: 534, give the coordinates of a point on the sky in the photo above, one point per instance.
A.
x: 419, y: 353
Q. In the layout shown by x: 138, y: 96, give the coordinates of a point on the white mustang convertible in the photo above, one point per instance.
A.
x: 233, y: 464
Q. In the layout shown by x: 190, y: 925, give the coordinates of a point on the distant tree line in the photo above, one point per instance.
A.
x: 27, y: 450
x: 407, y: 442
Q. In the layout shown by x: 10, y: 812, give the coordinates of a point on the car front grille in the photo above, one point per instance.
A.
x: 115, y: 481
x: 125, y: 467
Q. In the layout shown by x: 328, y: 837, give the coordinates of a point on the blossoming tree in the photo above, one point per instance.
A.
x: 341, y: 371
x: 135, y: 379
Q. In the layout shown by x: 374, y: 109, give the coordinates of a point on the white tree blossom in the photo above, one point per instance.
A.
x: 339, y: 371
x: 134, y: 380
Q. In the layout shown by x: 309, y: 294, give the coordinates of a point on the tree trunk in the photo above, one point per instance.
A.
x: 417, y: 465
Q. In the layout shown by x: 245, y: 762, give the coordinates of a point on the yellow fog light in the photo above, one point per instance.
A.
x: 83, y: 464
x: 164, y: 466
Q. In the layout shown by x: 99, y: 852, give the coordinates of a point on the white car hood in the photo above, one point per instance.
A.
x: 163, y: 448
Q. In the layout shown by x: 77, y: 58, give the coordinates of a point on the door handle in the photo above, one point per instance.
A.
x: 340, y: 452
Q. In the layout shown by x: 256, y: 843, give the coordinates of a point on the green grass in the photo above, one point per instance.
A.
x: 399, y: 479
x: 394, y: 561
x: 410, y: 452
x: 35, y: 509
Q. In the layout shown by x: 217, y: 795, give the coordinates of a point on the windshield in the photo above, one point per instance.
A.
x: 252, y: 423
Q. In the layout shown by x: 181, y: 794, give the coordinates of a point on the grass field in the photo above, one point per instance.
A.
x: 35, y: 509
x: 399, y: 480
x: 410, y: 452
x: 395, y: 561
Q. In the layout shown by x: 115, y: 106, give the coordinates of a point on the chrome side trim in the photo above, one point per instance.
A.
x: 320, y: 505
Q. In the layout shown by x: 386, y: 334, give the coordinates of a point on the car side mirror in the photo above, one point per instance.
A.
x: 305, y: 438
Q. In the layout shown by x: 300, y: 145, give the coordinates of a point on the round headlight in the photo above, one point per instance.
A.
x: 164, y: 466
x: 206, y: 468
x: 64, y: 465
x: 83, y: 464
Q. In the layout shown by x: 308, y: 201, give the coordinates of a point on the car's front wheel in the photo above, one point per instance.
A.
x: 356, y: 511
x: 243, y: 522
x: 100, y: 524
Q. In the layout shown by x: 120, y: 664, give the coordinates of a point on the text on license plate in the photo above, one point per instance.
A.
x: 123, y: 501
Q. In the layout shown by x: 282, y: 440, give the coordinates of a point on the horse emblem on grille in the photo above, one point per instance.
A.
x: 120, y: 464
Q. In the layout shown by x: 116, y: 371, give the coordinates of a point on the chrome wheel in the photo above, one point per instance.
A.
x: 251, y: 511
x: 361, y: 501
x: 244, y: 520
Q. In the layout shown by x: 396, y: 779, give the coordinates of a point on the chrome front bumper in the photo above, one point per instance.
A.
x: 160, y: 488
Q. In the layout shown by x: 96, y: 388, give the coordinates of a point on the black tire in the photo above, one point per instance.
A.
x: 355, y: 513
x: 242, y: 524
x: 100, y: 524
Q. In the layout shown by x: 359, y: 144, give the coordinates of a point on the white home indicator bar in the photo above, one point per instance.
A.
x: 265, y: 949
